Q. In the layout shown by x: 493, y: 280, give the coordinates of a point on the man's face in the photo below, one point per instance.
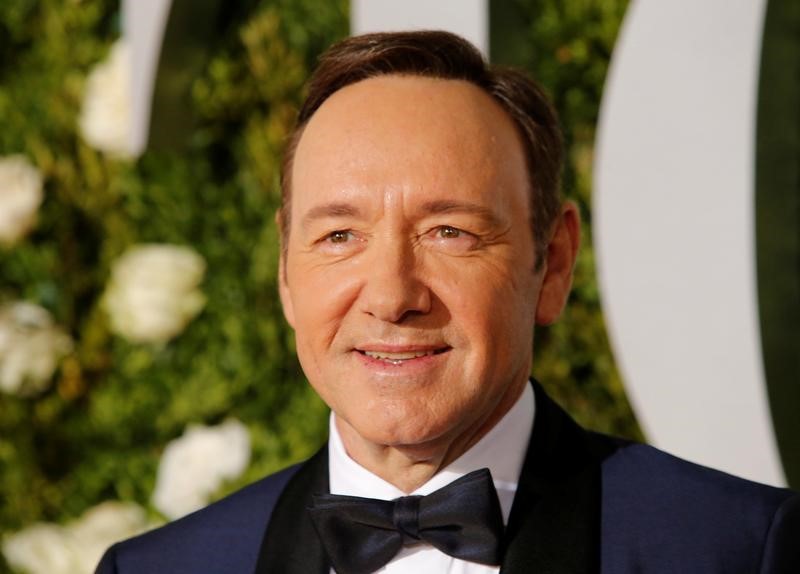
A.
x: 409, y: 271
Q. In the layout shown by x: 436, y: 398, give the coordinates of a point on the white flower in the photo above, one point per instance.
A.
x: 106, y: 119
x: 20, y: 196
x: 40, y: 549
x: 77, y: 547
x: 153, y: 292
x: 31, y: 347
x: 102, y: 526
x: 194, y: 466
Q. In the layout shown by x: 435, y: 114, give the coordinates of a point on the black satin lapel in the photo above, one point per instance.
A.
x: 554, y: 526
x: 290, y: 544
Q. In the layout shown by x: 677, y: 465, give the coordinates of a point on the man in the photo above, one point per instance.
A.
x: 423, y: 238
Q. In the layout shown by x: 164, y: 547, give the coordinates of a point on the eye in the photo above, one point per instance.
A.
x: 447, y: 232
x: 339, y: 236
x: 453, y: 239
x: 340, y: 242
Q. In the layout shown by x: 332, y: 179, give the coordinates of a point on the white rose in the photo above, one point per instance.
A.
x: 31, y: 347
x: 40, y: 549
x: 194, y: 466
x: 20, y: 197
x: 105, y: 120
x: 102, y: 526
x: 153, y: 292
x: 77, y: 547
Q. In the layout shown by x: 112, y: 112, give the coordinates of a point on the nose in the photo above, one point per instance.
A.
x: 393, y: 288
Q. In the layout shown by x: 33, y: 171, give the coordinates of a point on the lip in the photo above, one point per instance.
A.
x: 434, y: 354
x: 385, y: 348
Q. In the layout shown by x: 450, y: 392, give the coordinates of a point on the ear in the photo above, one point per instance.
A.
x: 561, y: 254
x: 283, y: 284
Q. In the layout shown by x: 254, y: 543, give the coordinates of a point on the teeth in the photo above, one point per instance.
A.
x: 395, y: 357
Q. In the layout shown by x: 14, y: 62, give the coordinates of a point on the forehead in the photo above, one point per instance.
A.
x: 445, y: 136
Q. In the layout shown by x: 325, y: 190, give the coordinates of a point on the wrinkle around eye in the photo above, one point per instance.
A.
x: 339, y: 242
x: 459, y: 241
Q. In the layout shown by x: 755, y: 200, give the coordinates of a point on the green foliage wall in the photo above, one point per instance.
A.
x: 98, y: 432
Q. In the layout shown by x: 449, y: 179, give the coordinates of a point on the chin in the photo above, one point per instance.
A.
x: 400, y: 431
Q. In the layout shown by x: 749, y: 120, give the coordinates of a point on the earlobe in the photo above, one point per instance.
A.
x: 562, y: 252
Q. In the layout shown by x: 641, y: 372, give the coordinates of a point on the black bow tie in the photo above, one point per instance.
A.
x: 463, y: 520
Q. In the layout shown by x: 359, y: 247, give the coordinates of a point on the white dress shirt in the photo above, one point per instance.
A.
x: 501, y: 450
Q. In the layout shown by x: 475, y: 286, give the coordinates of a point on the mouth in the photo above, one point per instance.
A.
x: 400, y: 357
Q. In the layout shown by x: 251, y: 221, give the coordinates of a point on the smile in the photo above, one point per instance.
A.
x: 400, y: 357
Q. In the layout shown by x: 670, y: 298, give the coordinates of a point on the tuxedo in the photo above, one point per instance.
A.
x: 585, y: 503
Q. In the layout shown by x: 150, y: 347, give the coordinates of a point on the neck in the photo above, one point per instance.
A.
x: 410, y: 466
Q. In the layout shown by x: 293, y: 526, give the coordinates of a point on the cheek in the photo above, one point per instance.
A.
x: 492, y: 309
x: 487, y: 293
x: 321, y: 297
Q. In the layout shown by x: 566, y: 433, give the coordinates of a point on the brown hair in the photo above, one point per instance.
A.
x: 439, y: 54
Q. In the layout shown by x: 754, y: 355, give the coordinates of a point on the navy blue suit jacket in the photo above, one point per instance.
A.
x: 585, y: 503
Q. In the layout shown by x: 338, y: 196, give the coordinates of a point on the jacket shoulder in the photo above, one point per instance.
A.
x: 671, y: 515
x: 222, y: 537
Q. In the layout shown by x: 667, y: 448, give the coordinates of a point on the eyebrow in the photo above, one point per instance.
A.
x: 434, y: 207
x: 443, y: 206
x: 333, y: 209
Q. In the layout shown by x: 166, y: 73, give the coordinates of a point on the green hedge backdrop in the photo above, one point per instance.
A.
x: 97, y: 432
